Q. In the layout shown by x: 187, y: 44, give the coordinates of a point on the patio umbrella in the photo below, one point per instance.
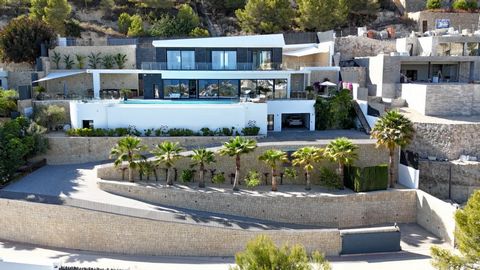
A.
x: 327, y: 83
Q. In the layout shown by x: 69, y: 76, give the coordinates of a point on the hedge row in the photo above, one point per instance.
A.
x: 366, y: 179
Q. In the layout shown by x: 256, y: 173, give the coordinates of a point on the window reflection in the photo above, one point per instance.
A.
x: 208, y: 88
x: 175, y: 88
x: 228, y: 88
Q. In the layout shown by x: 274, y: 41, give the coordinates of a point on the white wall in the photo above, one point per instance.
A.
x: 279, y: 107
x: 415, y: 95
x: 408, y: 176
x: 191, y: 116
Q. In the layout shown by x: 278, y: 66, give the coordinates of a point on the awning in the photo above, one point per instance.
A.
x: 58, y: 75
x: 320, y: 48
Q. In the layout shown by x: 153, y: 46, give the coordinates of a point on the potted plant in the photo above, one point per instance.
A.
x: 39, y: 92
x: 125, y: 93
x: 310, y: 92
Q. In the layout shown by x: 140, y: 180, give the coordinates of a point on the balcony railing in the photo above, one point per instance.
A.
x: 209, y: 66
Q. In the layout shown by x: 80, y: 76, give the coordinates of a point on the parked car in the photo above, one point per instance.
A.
x: 295, y: 121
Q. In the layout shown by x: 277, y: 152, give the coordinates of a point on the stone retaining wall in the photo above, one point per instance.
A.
x: 436, y: 216
x: 72, y: 150
x: 464, y: 179
x: 337, y: 211
x: 446, y: 140
x: 75, y: 228
x: 368, y: 155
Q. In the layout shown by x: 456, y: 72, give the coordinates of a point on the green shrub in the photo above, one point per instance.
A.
x: 434, y: 4
x: 218, y: 178
x: 187, y: 176
x: 206, y: 131
x: 291, y: 173
x: 329, y: 178
x: 366, y: 179
x: 50, y: 117
x: 121, y: 132
x: 227, y: 131
x: 148, y: 132
x: 252, y: 179
x: 20, y: 139
x: 8, y: 102
x: 177, y: 132
x: 251, y: 131
x: 465, y: 4
x: 262, y: 253
x: 336, y: 112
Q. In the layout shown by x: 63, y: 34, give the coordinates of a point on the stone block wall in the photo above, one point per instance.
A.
x: 354, y: 75
x: 72, y: 150
x: 436, y: 216
x: 351, y: 47
x: 450, y: 179
x: 61, y: 103
x: 368, y: 155
x: 76, y: 228
x: 462, y: 20
x: 333, y: 211
x: 452, y: 99
x: 446, y: 141
x: 128, y: 50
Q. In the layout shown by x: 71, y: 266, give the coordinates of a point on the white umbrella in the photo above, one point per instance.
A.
x: 327, y: 83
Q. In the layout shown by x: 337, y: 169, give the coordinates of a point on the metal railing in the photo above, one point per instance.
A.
x: 209, y: 66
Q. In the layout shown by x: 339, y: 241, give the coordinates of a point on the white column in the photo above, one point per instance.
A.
x: 96, y: 85
x: 289, y: 88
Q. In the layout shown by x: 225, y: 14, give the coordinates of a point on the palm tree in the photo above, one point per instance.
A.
x: 202, y: 157
x: 272, y: 157
x: 343, y: 152
x: 167, y: 153
x: 306, y: 157
x: 128, y: 149
x: 391, y: 131
x: 236, y: 147
x: 120, y: 60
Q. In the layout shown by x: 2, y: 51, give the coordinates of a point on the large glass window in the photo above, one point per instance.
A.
x: 228, y: 88
x: 224, y: 60
x: 280, y: 89
x: 265, y: 88
x: 174, y: 60
x: 180, y: 59
x: 208, y: 88
x: 262, y: 59
x: 175, y: 88
x: 248, y: 88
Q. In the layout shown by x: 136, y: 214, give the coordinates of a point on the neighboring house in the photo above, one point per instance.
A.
x: 195, y: 83
x: 435, y: 75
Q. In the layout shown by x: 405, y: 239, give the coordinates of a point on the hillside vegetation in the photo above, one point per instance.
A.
x: 172, y: 18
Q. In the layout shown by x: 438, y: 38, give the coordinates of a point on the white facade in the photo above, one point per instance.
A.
x: 192, y: 116
x: 277, y: 108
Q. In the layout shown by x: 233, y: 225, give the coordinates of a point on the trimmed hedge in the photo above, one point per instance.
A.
x: 366, y: 179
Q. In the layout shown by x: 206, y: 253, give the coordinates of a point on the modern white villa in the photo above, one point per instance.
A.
x: 211, y: 82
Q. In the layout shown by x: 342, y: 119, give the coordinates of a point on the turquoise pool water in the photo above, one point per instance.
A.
x: 163, y: 101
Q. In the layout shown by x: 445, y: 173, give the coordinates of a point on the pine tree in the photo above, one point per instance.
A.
x: 56, y: 12
x: 266, y: 16
x: 316, y: 15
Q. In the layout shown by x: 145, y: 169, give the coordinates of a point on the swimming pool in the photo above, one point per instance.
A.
x: 166, y: 101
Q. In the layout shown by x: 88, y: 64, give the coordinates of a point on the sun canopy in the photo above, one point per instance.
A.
x: 58, y: 75
x: 321, y: 48
x: 327, y: 83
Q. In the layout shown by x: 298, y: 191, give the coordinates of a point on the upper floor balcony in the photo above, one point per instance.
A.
x: 235, y: 67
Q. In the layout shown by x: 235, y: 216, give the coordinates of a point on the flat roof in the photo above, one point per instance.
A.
x: 253, y: 41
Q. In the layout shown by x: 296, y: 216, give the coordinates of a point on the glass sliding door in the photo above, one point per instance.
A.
x: 180, y: 60
x: 208, y: 88
x: 224, y: 60
x: 174, y: 60
x: 175, y: 89
x: 228, y: 88
x: 265, y: 88
x: 262, y: 60
x: 248, y: 88
x: 188, y: 59
x: 280, y: 91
